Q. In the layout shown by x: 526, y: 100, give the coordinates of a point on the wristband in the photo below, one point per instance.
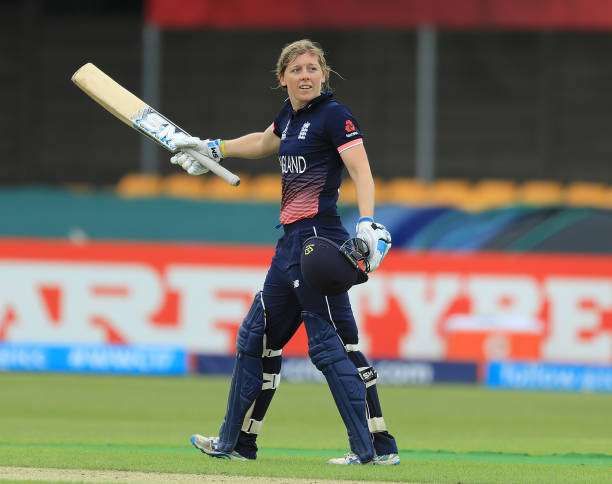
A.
x: 215, y: 149
x: 222, y: 147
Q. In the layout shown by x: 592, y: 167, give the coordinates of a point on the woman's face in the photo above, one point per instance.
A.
x: 303, y: 79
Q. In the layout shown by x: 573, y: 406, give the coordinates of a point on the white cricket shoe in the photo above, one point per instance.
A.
x: 208, y: 446
x: 386, y: 460
x: 346, y: 460
x: 379, y: 460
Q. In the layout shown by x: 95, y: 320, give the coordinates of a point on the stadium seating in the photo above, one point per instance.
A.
x: 489, y: 193
x: 583, y: 194
x: 219, y: 189
x: 348, y: 193
x: 450, y: 192
x: 185, y: 186
x: 266, y: 188
x: 540, y: 192
x: 408, y: 191
x: 140, y: 185
x: 460, y: 194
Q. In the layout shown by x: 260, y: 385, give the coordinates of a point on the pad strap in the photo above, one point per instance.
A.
x: 271, y: 381
x: 252, y: 426
x: 368, y: 375
x: 267, y: 353
x: 377, y: 424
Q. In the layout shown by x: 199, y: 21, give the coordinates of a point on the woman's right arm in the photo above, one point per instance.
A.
x: 253, y: 145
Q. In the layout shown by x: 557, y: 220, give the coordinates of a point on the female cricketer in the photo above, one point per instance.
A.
x: 315, y: 137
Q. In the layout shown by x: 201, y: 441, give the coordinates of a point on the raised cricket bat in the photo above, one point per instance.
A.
x: 138, y: 115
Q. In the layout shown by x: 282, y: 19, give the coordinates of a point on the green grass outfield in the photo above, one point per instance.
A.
x: 446, y: 433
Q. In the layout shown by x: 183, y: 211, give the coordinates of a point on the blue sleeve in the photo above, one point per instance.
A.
x: 342, y: 128
x: 276, y: 129
x: 280, y: 122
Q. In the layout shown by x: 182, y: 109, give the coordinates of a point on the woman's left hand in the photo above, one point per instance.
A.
x: 377, y: 238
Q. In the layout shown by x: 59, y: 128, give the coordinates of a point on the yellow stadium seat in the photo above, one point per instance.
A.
x: 184, y: 186
x: 409, y: 191
x: 585, y: 194
x: 139, y: 185
x: 348, y: 193
x: 491, y: 193
x: 541, y: 192
x: 76, y: 187
x: 218, y: 189
x: 266, y: 188
x: 450, y: 192
x: 608, y: 203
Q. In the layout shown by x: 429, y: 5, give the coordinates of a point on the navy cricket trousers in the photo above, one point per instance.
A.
x: 286, y: 294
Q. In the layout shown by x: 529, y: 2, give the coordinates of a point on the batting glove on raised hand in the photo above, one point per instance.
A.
x: 189, y: 163
x: 377, y: 238
x: 208, y: 147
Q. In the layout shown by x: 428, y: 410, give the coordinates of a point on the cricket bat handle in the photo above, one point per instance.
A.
x: 216, y: 168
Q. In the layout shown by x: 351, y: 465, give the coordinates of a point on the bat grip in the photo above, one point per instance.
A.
x: 215, y: 167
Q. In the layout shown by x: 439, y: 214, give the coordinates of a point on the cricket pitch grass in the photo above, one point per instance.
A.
x: 103, y: 429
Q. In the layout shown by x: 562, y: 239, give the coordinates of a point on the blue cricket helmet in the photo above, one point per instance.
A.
x: 331, y: 269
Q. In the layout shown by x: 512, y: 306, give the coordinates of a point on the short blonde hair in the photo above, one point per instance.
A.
x: 297, y: 48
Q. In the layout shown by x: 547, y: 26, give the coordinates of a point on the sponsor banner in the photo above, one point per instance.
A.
x: 391, y: 372
x: 108, y: 359
x: 417, y: 306
x: 548, y: 376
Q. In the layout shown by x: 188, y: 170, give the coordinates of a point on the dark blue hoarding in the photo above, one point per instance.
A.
x: 393, y: 372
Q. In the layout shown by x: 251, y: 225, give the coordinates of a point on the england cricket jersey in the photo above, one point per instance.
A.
x: 312, y: 139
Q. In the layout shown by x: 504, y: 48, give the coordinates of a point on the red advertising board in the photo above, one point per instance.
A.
x: 389, y: 14
x: 444, y: 306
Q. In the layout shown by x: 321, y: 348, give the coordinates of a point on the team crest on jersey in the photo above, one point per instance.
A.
x: 304, y: 130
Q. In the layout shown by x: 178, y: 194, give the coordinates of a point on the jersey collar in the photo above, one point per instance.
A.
x: 321, y: 98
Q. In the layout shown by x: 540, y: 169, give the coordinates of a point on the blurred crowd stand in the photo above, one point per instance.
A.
x: 459, y: 193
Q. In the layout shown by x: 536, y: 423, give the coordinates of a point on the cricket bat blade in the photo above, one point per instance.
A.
x: 134, y: 112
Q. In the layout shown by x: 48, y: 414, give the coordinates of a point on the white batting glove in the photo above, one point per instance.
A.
x: 208, y: 147
x: 189, y: 163
x: 377, y: 238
